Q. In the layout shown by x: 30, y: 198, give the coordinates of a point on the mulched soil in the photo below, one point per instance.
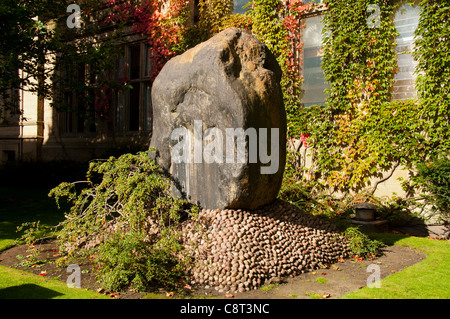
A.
x: 341, y: 278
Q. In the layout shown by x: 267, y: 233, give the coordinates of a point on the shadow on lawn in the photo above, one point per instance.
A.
x: 29, y: 291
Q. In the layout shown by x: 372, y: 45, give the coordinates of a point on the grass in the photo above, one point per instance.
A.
x: 16, y: 284
x: 313, y: 295
x: 321, y: 280
x: 428, y: 279
x: 19, y: 205
x: 269, y: 287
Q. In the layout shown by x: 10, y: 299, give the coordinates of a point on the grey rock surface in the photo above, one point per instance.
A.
x: 231, y: 81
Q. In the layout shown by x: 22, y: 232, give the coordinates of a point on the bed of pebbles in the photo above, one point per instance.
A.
x: 239, y: 250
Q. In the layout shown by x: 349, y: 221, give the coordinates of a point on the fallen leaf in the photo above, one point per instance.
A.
x: 334, y: 267
x: 187, y: 287
x: 229, y: 295
x: 324, y: 273
x: 55, y: 255
x: 325, y: 295
x: 43, y: 273
x: 169, y: 294
x: 341, y: 260
x: 313, y: 272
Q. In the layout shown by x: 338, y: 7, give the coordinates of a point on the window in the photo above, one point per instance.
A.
x: 406, y: 21
x: 10, y: 103
x: 314, y: 82
x: 133, y: 111
x: 196, y: 11
x: 80, y: 116
x: 239, y: 6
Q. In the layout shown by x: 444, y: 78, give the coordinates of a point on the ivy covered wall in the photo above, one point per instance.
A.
x: 359, y: 133
x: 359, y: 136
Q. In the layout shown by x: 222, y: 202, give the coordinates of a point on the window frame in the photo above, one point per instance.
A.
x: 122, y: 114
x: 71, y: 118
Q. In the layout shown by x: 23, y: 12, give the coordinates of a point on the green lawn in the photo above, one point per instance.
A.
x: 428, y: 279
x: 16, y: 284
x: 18, y: 205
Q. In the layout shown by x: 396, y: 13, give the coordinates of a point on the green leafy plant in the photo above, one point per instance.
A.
x: 321, y: 280
x: 32, y: 234
x: 278, y: 24
x: 359, y: 63
x: 359, y: 137
x: 434, y: 180
x: 269, y: 287
x: 127, y: 260
x: 399, y: 211
x: 433, y: 74
x: 125, y: 217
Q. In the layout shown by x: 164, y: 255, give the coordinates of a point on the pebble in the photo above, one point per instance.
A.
x: 251, y: 247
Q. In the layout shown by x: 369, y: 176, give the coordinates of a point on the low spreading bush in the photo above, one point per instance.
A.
x: 124, y: 215
x: 360, y: 244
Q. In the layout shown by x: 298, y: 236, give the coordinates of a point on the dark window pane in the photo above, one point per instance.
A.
x: 81, y: 116
x: 81, y: 73
x: 135, y: 61
x: 90, y: 119
x: 134, y: 108
x: 68, y: 120
x: 196, y: 11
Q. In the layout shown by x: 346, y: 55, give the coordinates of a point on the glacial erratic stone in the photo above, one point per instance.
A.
x: 219, y: 126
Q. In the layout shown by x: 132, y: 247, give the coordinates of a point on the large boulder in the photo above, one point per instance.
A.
x: 228, y: 86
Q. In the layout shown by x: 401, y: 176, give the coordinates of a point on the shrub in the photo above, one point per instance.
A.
x: 434, y: 180
x: 128, y: 260
x: 399, y: 211
x: 124, y: 216
x: 360, y: 244
x: 296, y: 191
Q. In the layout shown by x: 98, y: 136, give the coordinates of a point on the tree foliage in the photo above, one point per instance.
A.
x: 26, y: 40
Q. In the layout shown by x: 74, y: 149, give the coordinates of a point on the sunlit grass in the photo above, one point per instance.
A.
x: 428, y: 279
